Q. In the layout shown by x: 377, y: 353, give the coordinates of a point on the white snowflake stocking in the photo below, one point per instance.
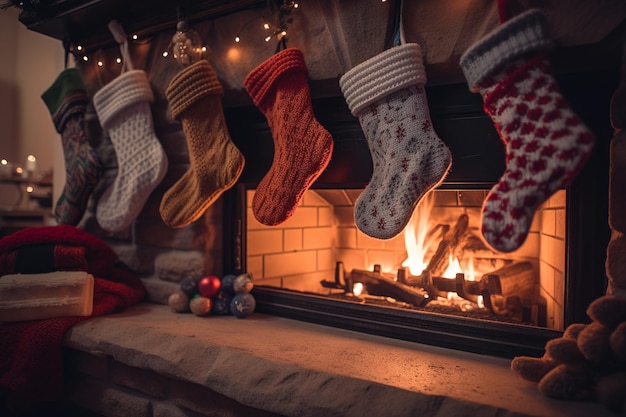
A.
x: 546, y: 143
x: 387, y: 94
x: 123, y: 107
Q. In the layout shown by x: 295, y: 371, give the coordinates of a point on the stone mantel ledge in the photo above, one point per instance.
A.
x: 294, y: 368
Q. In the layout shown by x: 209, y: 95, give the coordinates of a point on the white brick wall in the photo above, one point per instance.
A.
x: 302, y: 251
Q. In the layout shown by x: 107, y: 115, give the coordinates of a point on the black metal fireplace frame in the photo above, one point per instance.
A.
x: 478, y: 164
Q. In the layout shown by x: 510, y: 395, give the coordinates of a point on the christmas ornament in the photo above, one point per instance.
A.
x: 194, y: 95
x: 179, y: 302
x: 242, y: 305
x: 546, y: 143
x: 189, y: 285
x: 186, y: 44
x: 123, y: 107
x: 243, y: 283
x: 227, y: 283
x: 66, y: 100
x: 209, y: 286
x: 221, y: 303
x: 200, y: 306
x: 302, y: 146
x: 387, y: 94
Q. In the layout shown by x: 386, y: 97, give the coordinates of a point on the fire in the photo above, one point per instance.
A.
x: 415, y: 234
x: 420, y: 242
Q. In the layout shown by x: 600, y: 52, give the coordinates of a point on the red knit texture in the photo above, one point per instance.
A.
x: 31, y: 368
x: 302, y: 146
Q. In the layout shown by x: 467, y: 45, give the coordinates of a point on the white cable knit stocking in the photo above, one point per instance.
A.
x: 123, y: 107
x: 387, y: 94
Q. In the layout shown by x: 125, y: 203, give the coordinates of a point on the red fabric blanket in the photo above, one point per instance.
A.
x: 31, y: 366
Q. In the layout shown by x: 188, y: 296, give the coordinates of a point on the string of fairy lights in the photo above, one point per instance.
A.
x: 270, y: 31
x: 190, y: 44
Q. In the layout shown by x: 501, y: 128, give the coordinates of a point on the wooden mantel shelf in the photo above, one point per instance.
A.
x: 85, y: 22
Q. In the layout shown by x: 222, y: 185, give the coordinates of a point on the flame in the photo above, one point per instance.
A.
x: 454, y: 267
x: 415, y: 236
x: 418, y: 243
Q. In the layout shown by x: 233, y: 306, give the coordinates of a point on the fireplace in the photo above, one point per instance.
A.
x: 317, y: 266
x: 563, y: 261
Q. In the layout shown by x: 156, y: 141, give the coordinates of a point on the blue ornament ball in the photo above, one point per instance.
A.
x: 189, y: 285
x: 227, y: 283
x: 221, y: 303
x: 242, y: 305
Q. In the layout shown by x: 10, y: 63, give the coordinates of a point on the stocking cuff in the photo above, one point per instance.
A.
x: 190, y: 85
x: 127, y: 89
x: 384, y: 74
x: 521, y: 35
x: 260, y: 80
x: 68, y: 80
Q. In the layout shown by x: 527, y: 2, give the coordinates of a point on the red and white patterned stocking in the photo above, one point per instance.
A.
x: 546, y: 142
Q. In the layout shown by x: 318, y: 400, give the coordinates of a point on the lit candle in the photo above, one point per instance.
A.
x: 31, y: 164
x: 5, y: 168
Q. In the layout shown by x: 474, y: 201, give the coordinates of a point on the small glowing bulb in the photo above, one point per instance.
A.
x: 118, y: 60
x: 237, y: 39
x: 295, y: 5
x: 79, y: 48
x: 266, y: 26
x: 85, y: 58
x: 100, y: 63
x: 135, y: 37
x: 203, y: 49
x: 29, y: 189
x: 165, y: 54
x: 4, y: 162
x: 19, y: 170
x: 268, y: 38
x: 31, y: 158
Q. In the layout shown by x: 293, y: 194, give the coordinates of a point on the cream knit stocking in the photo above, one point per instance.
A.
x: 387, y: 94
x: 123, y: 107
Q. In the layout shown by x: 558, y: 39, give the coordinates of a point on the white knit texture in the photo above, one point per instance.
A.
x: 127, y: 89
x: 141, y: 161
x: 522, y: 34
x: 386, y: 73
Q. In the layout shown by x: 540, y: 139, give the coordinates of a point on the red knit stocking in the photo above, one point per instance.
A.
x: 546, y: 143
x: 302, y: 147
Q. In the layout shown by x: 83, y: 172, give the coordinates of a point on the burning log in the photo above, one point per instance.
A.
x: 377, y: 284
x: 439, y: 262
x: 516, y: 283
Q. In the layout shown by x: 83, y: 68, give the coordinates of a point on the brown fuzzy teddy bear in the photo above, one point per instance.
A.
x: 588, y: 363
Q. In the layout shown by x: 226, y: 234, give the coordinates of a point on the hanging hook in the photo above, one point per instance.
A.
x: 67, y: 48
x: 284, y: 18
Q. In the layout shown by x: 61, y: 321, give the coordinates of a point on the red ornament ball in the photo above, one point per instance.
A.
x: 209, y: 286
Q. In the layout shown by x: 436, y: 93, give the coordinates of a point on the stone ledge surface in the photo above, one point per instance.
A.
x: 294, y: 368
